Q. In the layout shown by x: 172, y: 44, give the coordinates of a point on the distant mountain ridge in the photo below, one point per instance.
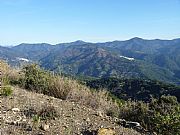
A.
x: 133, y: 58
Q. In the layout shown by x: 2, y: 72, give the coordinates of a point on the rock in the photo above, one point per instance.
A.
x: 66, y: 126
x: 108, y: 117
x: 45, y: 127
x: 88, y: 120
x: 154, y: 133
x: 18, y: 118
x: 28, y: 128
x: 15, y: 109
x: 99, y: 113
x: 132, y: 124
x: 106, y: 131
x: 116, y: 119
x: 24, y: 120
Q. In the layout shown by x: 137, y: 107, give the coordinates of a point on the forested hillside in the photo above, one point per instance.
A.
x: 137, y: 58
x: 135, y: 89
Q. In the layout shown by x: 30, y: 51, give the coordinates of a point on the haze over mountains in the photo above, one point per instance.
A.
x: 134, y: 58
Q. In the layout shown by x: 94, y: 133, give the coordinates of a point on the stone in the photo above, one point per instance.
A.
x: 106, y: 131
x: 45, y: 127
x: 28, y: 128
x: 88, y: 120
x: 99, y: 113
x: 115, y: 119
x: 15, y: 109
x: 132, y: 124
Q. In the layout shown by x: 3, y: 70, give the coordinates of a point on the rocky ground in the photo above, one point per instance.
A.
x: 28, y: 113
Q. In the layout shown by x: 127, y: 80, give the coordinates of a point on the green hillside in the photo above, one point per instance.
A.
x: 134, y: 58
x: 135, y: 89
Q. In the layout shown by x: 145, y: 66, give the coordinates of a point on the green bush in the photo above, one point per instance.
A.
x: 160, y: 115
x: 6, y: 91
x: 36, y: 78
x: 135, y: 111
x: 167, y: 124
x: 166, y: 117
x: 41, y: 81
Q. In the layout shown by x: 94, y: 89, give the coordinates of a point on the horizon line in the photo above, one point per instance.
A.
x: 79, y: 40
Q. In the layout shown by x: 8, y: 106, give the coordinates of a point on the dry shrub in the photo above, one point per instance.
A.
x: 47, y: 112
x: 9, y: 75
x: 59, y: 87
x: 5, y: 70
x: 4, y: 67
x: 62, y: 87
x: 16, y: 77
x: 30, y: 112
x: 105, y: 103
x: 67, y: 89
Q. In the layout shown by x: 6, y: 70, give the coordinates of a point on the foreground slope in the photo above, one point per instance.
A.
x: 18, y: 116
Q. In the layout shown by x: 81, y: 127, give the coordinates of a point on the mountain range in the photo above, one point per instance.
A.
x: 134, y: 58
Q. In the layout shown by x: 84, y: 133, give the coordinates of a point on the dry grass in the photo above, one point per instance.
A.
x: 9, y: 74
x: 65, y: 88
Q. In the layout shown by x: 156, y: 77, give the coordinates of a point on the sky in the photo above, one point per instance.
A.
x: 57, y: 21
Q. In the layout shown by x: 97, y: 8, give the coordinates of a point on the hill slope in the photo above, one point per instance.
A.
x: 136, y: 89
x: 71, y: 118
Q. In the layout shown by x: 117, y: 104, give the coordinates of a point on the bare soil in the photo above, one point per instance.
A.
x: 69, y: 118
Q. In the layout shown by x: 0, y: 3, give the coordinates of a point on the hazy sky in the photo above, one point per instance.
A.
x: 55, y: 21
